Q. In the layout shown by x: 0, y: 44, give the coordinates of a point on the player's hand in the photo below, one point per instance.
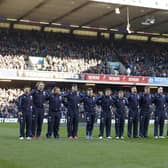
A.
x: 20, y: 113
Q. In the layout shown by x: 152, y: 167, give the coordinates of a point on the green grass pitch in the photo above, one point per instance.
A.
x: 81, y: 153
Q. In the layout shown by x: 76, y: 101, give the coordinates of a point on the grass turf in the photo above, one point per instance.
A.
x: 81, y: 153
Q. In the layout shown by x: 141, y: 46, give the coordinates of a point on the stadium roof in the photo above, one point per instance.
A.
x: 86, y: 13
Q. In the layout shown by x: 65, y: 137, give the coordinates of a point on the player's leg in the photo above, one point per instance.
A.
x: 101, y: 128
x: 108, y: 127
x: 22, y: 126
x: 50, y: 125
x: 130, y: 122
x: 40, y: 122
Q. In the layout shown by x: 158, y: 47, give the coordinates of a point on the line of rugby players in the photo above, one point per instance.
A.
x: 31, y: 112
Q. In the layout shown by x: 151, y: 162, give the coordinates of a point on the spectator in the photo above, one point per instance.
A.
x: 70, y: 53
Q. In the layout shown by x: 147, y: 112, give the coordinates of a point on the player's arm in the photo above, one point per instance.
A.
x: 153, y: 99
x: 65, y: 97
x: 32, y: 92
x: 166, y: 99
x: 140, y: 100
x: 19, y: 105
x: 82, y: 97
x: 99, y: 100
x: 48, y: 95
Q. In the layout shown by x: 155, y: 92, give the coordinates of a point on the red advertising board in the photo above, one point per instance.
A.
x: 118, y: 78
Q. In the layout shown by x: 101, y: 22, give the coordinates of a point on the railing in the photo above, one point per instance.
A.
x: 81, y: 78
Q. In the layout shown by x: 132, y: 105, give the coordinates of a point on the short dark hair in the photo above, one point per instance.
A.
x: 120, y: 91
x: 108, y: 89
x: 54, y: 88
x: 26, y: 86
x: 38, y: 83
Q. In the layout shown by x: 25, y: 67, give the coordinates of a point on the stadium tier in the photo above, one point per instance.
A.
x: 32, y: 50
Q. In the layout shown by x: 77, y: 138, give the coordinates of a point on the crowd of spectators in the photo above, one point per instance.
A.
x: 12, y: 62
x: 144, y: 59
x: 8, y: 99
x: 34, y: 43
x: 67, y: 64
x: 70, y: 53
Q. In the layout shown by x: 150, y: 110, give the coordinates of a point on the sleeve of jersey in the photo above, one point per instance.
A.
x: 32, y: 92
x: 99, y: 100
x: 140, y: 100
x: 19, y: 104
x: 153, y: 99
x: 48, y: 94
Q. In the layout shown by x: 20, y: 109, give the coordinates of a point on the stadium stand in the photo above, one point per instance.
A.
x: 8, y: 98
x: 70, y: 53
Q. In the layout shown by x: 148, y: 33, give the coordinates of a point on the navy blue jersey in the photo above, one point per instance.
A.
x: 133, y: 104
x: 73, y: 101
x: 145, y: 102
x: 160, y: 101
x: 90, y: 104
x: 55, y: 101
x: 25, y: 103
x: 120, y: 104
x: 106, y: 103
x: 39, y: 97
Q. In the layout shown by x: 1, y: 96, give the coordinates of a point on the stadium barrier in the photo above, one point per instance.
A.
x: 15, y: 120
x: 117, y: 78
x: 47, y: 74
x: 62, y: 121
x: 33, y: 75
x: 158, y: 80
